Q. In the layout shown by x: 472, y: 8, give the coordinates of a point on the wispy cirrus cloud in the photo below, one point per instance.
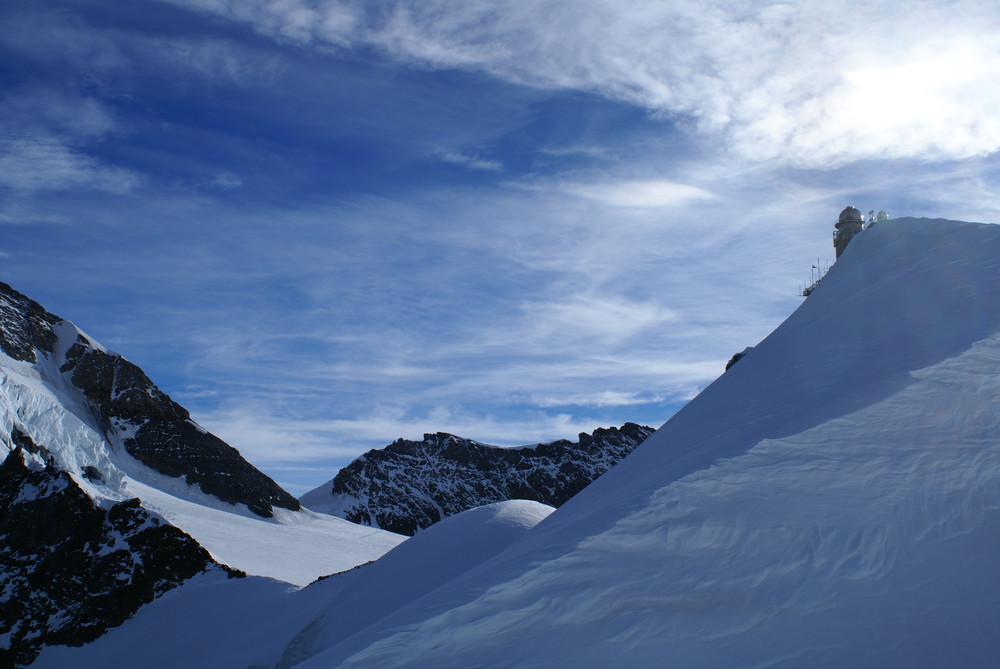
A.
x: 46, y: 163
x: 799, y: 83
x: 607, y: 398
x: 470, y: 161
x: 301, y: 451
x: 644, y: 194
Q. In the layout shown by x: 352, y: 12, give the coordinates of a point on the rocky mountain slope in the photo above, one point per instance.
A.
x: 410, y: 485
x: 150, y: 426
x: 70, y: 567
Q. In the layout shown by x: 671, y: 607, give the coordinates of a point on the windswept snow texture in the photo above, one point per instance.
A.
x: 214, y: 623
x: 410, y: 485
x: 833, y: 500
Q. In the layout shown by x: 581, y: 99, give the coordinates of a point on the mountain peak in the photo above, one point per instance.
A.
x: 132, y: 414
x: 410, y: 485
x: 24, y: 326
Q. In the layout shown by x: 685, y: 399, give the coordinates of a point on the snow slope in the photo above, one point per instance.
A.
x: 832, y: 500
x: 39, y: 401
x: 216, y: 623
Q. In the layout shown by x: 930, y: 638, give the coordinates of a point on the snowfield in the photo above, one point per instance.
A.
x: 833, y: 500
x: 295, y: 546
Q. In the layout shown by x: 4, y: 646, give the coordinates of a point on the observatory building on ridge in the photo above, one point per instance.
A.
x: 850, y: 223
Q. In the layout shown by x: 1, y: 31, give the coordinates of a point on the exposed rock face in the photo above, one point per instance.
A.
x: 153, y: 428
x: 24, y: 325
x: 163, y: 436
x: 410, y: 485
x: 737, y: 357
x: 70, y: 569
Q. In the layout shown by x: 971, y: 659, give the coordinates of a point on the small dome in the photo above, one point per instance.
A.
x: 882, y: 216
x: 851, y: 215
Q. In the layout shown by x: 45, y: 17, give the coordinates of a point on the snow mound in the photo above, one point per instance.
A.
x: 416, y: 567
x: 210, y: 622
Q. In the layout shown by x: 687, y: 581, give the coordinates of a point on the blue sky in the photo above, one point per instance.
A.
x: 324, y: 225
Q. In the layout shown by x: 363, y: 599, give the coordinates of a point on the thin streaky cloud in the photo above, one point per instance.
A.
x: 46, y: 163
x: 787, y: 83
x: 470, y: 161
x: 649, y: 194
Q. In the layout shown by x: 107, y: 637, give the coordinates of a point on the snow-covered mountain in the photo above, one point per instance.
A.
x: 410, y: 485
x: 832, y: 500
x: 85, y: 434
x: 127, y: 410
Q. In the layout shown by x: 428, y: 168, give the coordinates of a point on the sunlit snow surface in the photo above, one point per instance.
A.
x: 294, y: 546
x: 832, y: 500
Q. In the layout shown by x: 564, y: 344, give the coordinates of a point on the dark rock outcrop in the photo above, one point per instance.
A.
x: 156, y: 430
x: 410, y: 485
x: 70, y: 569
x: 163, y: 436
x: 737, y: 357
x: 24, y: 325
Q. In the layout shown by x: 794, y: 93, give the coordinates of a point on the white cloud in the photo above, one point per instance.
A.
x: 650, y: 194
x: 800, y: 83
x: 602, y: 320
x: 225, y: 181
x: 471, y: 161
x: 266, y: 435
x: 606, y: 398
x: 47, y: 163
x: 57, y: 112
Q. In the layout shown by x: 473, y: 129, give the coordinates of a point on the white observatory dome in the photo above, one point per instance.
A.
x: 850, y: 215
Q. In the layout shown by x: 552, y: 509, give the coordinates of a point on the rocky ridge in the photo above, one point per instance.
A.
x: 410, y: 485
x: 132, y: 411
